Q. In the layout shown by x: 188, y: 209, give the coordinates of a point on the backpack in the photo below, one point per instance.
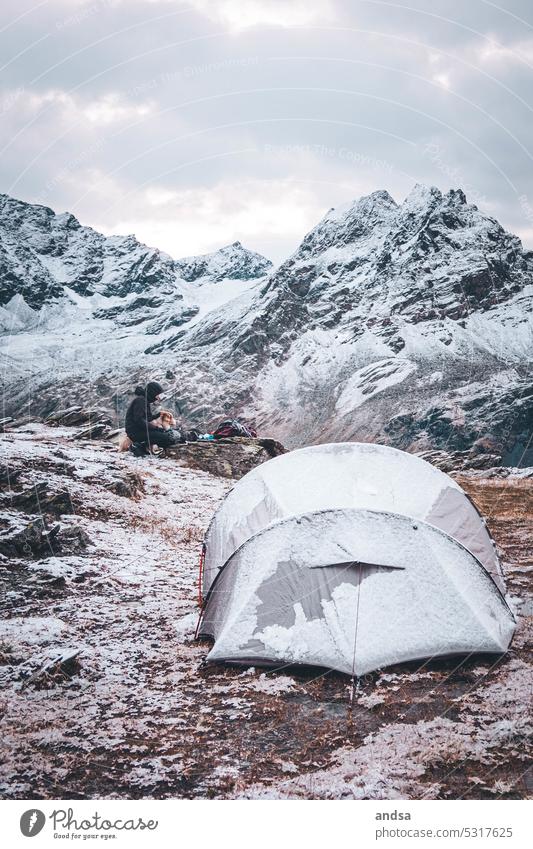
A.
x: 233, y: 427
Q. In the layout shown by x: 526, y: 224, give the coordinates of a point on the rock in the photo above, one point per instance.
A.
x: 98, y: 423
x: 71, y: 539
x: 100, y: 430
x: 55, y: 417
x: 499, y: 473
x: 232, y: 457
x: 45, y: 584
x: 73, y: 416
x: 60, y: 667
x: 127, y: 483
x: 453, y: 461
x: 25, y: 536
x: 21, y: 421
x: 9, y: 474
x: 41, y: 498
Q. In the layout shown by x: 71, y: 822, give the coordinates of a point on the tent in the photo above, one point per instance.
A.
x: 350, y: 556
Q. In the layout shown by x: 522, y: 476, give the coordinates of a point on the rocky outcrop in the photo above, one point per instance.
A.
x: 72, y: 416
x: 24, y: 536
x: 41, y: 498
x: 94, y: 424
x: 56, y: 670
x: 227, y: 458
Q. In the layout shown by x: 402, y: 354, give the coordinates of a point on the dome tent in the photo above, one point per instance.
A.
x: 350, y: 556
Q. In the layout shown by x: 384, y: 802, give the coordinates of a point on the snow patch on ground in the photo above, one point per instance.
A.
x: 32, y: 631
x: 186, y: 626
x: 272, y: 684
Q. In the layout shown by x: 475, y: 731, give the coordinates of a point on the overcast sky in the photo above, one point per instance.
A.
x: 196, y: 124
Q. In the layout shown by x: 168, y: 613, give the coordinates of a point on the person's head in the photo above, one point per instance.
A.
x: 153, y: 391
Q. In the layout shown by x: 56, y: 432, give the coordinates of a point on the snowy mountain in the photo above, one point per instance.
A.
x: 408, y: 324
x: 78, y: 310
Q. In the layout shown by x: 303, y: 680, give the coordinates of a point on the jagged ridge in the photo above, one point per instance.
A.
x: 408, y: 323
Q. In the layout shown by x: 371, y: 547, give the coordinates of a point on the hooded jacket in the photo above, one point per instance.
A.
x: 139, y: 413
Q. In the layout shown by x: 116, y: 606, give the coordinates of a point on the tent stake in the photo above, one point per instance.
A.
x: 355, y: 688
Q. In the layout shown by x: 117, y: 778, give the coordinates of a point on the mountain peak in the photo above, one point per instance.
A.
x: 422, y: 196
x: 349, y: 223
x: 378, y: 200
x: 232, y: 261
x: 456, y: 197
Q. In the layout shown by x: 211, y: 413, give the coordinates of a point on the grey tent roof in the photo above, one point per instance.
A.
x: 347, y: 475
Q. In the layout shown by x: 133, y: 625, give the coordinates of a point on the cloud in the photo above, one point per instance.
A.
x: 442, y: 80
x: 198, y: 123
x: 239, y: 15
x: 112, y: 108
x: 242, y: 14
x: 493, y: 52
x: 263, y: 215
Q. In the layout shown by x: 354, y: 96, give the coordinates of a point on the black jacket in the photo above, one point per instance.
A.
x: 139, y: 415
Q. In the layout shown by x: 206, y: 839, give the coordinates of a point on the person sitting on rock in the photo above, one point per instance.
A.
x: 140, y: 424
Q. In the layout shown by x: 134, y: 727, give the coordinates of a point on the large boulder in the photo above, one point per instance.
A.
x: 232, y: 457
x: 26, y: 536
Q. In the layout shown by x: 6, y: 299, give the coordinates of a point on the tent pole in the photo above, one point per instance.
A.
x: 201, y: 574
x: 355, y: 678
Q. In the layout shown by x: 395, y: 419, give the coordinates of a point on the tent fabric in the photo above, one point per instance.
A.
x: 352, y: 557
x: 352, y: 590
x: 346, y: 475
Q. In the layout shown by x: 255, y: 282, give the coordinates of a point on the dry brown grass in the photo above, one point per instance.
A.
x: 507, y: 506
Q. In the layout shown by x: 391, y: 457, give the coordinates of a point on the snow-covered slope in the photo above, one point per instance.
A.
x: 408, y: 324
x: 79, y: 311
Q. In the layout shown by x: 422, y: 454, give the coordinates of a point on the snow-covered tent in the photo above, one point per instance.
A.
x: 350, y: 556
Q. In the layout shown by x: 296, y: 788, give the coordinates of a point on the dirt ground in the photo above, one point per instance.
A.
x: 104, y: 691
